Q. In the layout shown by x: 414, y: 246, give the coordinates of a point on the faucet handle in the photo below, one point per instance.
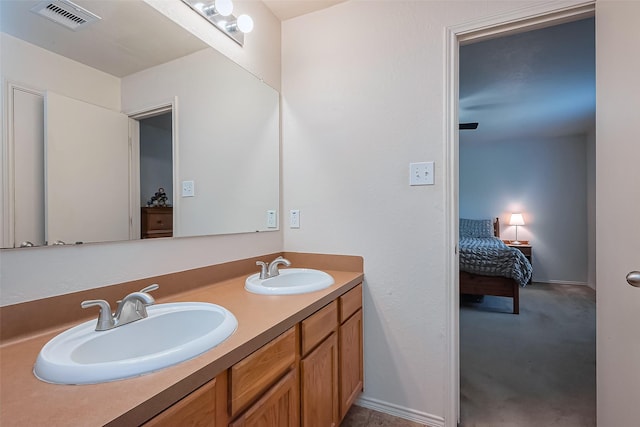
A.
x: 144, y: 290
x: 105, y: 318
x: 150, y: 288
x: 263, y: 270
x: 140, y: 307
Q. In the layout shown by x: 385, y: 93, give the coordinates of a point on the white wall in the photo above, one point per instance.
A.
x: 33, y: 273
x: 546, y: 180
x: 22, y: 64
x: 363, y: 96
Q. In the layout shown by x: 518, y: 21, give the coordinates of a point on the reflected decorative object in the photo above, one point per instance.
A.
x: 516, y: 219
x: 219, y: 14
x: 159, y: 199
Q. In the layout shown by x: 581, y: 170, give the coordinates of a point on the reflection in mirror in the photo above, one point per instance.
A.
x: 201, y: 128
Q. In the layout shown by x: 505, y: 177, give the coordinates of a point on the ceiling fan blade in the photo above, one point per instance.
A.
x: 468, y: 126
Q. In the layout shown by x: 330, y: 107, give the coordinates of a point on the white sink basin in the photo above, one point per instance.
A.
x: 171, y: 334
x: 290, y: 281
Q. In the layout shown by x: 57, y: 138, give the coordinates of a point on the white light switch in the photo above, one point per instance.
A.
x: 188, y: 189
x: 294, y: 218
x: 421, y: 173
x: 272, y: 219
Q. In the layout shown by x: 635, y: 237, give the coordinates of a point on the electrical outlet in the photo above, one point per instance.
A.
x: 188, y: 189
x: 421, y: 173
x: 294, y: 218
x: 272, y: 219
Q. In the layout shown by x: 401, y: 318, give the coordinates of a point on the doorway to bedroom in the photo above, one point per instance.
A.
x: 533, y: 153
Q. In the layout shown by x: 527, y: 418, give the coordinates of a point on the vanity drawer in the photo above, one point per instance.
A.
x: 318, y: 326
x: 198, y: 408
x: 350, y: 302
x: 254, y: 374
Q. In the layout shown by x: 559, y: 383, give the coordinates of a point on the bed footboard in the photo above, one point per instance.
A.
x: 475, y: 284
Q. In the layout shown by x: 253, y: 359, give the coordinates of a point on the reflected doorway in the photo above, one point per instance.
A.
x: 153, y: 199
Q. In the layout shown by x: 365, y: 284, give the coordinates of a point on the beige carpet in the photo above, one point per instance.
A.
x: 533, y: 369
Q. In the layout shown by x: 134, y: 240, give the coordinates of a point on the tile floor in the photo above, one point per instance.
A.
x: 362, y: 417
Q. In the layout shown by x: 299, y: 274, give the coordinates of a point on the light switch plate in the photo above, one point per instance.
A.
x: 421, y: 173
x: 294, y: 218
x: 188, y: 189
x: 272, y: 219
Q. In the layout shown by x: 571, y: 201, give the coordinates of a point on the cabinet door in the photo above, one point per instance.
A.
x: 351, y: 363
x: 252, y: 376
x: 278, y: 407
x: 197, y: 409
x: 319, y: 385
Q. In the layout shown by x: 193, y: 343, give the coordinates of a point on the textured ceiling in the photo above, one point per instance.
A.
x: 131, y: 36
x: 538, y: 84
x: 287, y: 9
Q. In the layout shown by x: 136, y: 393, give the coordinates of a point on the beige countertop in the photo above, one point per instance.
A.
x: 27, y: 401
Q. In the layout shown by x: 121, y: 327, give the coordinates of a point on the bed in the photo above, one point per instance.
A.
x: 487, y: 265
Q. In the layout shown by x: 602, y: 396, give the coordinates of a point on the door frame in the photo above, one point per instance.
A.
x: 521, y: 20
x: 134, y: 161
x: 8, y: 162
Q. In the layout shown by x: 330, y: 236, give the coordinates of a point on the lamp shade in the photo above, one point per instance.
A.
x: 516, y: 219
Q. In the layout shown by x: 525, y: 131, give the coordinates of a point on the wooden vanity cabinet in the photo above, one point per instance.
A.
x: 331, y: 369
x: 319, y: 368
x: 351, y: 348
x: 263, y: 386
x: 308, y: 376
x: 278, y: 407
x: 205, y: 407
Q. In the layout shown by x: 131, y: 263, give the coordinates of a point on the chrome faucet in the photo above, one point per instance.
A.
x: 131, y: 308
x: 273, y: 266
x: 271, y: 269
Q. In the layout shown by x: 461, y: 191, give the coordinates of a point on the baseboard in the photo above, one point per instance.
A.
x: 562, y: 282
x: 401, y: 412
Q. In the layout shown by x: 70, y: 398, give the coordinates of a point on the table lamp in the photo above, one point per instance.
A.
x: 516, y: 219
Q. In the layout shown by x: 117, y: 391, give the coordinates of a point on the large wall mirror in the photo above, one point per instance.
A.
x: 129, y: 127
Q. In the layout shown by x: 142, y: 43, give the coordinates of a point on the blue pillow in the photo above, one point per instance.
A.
x: 476, y: 227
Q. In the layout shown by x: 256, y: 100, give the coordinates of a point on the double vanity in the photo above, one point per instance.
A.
x: 220, y: 346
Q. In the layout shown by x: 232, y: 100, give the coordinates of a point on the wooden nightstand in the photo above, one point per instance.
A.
x: 525, y: 248
x: 156, y: 222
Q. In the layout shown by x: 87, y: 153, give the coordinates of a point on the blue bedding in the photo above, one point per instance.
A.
x: 489, y: 256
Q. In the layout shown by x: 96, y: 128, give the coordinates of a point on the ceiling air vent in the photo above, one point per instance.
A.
x: 65, y: 13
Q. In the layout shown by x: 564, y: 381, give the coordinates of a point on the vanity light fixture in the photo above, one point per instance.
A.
x: 220, y: 14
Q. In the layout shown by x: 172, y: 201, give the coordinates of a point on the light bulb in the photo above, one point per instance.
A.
x: 245, y: 23
x: 224, y: 7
